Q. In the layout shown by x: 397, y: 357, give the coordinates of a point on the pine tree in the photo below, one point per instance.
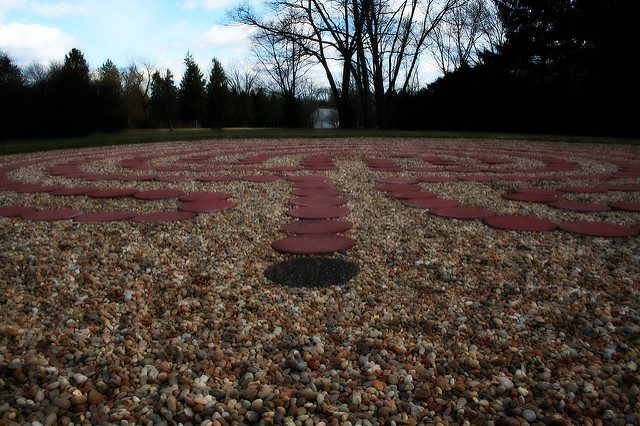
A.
x: 217, y: 96
x: 110, y: 101
x: 192, y: 93
x: 164, y: 98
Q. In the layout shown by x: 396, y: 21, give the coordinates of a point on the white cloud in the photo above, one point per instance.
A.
x: 207, y: 4
x: 223, y: 37
x: 32, y: 42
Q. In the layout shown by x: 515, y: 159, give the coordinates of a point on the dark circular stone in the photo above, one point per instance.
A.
x: 311, y: 271
x: 580, y: 206
x: 55, y: 214
x: 632, y: 206
x: 429, y: 203
x: 205, y: 196
x: 158, y: 194
x: 317, y: 201
x: 316, y: 226
x: 316, y: 192
x: 113, y: 193
x: 107, y: 216
x: 70, y: 192
x: 598, y: 229
x: 158, y: 217
x: 520, y: 223
x: 397, y: 180
x: 313, y: 244
x: 317, y: 212
x: 464, y: 213
x: 392, y: 187
x: 13, y: 211
x: 208, y: 206
x: 531, y: 198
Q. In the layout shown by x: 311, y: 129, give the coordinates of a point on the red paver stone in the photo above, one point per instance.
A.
x: 584, y: 189
x: 175, y: 179
x: 106, y: 216
x: 598, y: 229
x: 531, y: 198
x: 313, y: 244
x: 538, y: 191
x: 319, y: 226
x: 311, y: 185
x: 219, y: 178
x: 402, y: 195
x: 307, y: 178
x: 158, y: 194
x: 205, y: 196
x: 71, y: 192
x: 158, y: 217
x: 429, y: 203
x: 317, y: 201
x: 631, y: 206
x: 580, y: 206
x: 316, y: 192
x: 437, y: 179
x: 479, y: 178
x: 318, y: 212
x: 396, y: 187
x: 626, y: 187
x: 260, y: 178
x: 464, y: 213
x: 520, y: 223
x: 209, y: 206
x: 13, y: 211
x: 113, y: 193
x: 55, y: 214
x: 397, y: 180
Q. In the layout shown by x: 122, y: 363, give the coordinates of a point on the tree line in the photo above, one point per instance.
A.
x: 70, y: 99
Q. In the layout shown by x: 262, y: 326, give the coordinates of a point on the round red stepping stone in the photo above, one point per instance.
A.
x: 205, y: 196
x: 316, y: 226
x: 429, y: 203
x: 396, y: 187
x: 397, y: 180
x: 531, y: 198
x: 538, y: 191
x: 307, y: 178
x: 437, y: 179
x: 311, y: 185
x: 113, y: 193
x: 208, y: 206
x: 313, y: 244
x: 630, y: 206
x: 584, y: 189
x: 55, y: 214
x: 464, y: 213
x: 479, y: 178
x: 317, y: 201
x: 71, y: 192
x: 106, y: 216
x: 625, y: 187
x: 260, y: 178
x: 316, y: 192
x: 318, y: 212
x: 13, y: 211
x: 158, y: 194
x: 158, y: 217
x: 580, y: 206
x: 598, y: 229
x: 401, y: 195
x: 520, y: 223
x: 218, y: 178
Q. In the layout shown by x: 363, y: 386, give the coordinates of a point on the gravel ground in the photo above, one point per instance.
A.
x: 447, y: 321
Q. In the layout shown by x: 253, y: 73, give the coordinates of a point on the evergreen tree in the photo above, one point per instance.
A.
x: 13, y: 96
x: 192, y: 93
x: 218, y: 96
x: 164, y: 96
x: 111, y: 108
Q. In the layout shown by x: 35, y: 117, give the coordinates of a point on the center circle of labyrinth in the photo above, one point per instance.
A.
x: 327, y: 192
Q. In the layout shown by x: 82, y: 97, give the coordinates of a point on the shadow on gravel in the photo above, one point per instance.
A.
x: 311, y: 271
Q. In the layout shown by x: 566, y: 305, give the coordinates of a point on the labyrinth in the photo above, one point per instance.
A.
x: 484, y: 280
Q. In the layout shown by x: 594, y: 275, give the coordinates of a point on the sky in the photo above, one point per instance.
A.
x: 158, y: 31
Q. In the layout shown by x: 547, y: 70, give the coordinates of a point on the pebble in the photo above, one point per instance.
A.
x: 529, y: 415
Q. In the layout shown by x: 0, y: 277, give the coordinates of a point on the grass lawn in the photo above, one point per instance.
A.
x: 148, y: 136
